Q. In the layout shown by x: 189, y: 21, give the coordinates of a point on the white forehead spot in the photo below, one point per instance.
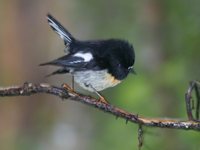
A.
x: 86, y: 56
x: 131, y: 67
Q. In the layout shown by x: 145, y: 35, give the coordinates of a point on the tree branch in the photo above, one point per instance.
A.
x: 29, y: 89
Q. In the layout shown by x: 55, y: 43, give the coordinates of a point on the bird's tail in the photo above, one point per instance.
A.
x: 58, y: 28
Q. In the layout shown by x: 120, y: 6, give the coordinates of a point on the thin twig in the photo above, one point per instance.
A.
x: 194, y: 85
x: 29, y: 89
x: 198, y: 100
x: 188, y: 97
x: 140, y: 136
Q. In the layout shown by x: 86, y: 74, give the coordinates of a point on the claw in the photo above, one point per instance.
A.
x: 69, y: 89
x: 102, y: 99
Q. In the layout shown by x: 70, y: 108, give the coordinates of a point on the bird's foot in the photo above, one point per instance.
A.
x: 69, y: 89
x: 102, y: 99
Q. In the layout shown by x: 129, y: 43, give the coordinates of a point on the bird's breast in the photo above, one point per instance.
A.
x: 98, y: 80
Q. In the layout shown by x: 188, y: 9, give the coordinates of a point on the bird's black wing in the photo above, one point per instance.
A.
x: 75, y: 62
x: 59, y: 71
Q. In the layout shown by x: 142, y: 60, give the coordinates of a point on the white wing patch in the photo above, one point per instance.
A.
x: 86, y: 56
x: 58, y: 30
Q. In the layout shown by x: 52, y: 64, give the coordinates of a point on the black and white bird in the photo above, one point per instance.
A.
x: 96, y: 64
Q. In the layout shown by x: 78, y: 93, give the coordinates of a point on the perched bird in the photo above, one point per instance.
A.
x: 96, y: 64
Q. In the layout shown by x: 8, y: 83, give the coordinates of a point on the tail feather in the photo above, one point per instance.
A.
x: 58, y: 28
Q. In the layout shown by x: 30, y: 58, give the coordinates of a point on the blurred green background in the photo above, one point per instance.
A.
x: 166, y: 38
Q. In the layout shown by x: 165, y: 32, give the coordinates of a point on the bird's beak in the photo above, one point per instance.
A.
x: 133, y: 71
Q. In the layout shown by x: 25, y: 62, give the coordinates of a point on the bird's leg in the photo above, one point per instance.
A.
x: 73, y: 82
x: 101, y: 98
x: 69, y: 89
